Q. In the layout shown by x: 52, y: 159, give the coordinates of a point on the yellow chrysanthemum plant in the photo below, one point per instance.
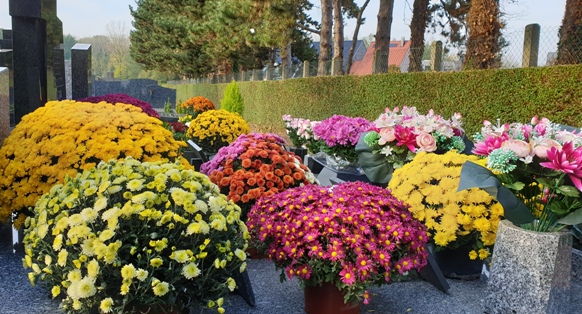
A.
x: 65, y: 137
x: 130, y: 236
x: 214, y: 129
x: 429, y: 184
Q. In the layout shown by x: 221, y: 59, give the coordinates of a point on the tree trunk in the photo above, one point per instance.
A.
x: 418, y: 24
x: 338, y: 38
x: 383, y: 36
x: 325, y: 37
x: 484, y: 35
x: 570, y: 44
x: 355, y: 38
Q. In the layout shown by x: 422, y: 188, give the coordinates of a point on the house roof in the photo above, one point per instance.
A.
x: 398, y: 50
x: 346, y: 51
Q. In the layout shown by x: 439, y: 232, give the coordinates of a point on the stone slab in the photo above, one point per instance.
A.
x: 4, y: 104
x: 530, y: 271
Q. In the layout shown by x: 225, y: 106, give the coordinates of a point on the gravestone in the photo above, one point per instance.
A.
x: 143, y: 89
x: 6, y: 62
x: 36, y: 33
x: 4, y: 105
x: 6, y: 39
x: 81, y: 78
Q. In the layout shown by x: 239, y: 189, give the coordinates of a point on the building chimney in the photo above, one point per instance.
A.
x: 402, y: 41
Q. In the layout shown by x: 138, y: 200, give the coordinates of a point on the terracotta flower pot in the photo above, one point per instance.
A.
x: 327, y: 299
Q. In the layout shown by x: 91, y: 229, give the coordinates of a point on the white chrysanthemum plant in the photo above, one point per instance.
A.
x: 128, y: 236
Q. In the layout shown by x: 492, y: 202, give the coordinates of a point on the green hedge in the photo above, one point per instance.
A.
x: 508, y: 94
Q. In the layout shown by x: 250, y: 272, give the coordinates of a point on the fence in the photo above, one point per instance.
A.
x: 532, y: 47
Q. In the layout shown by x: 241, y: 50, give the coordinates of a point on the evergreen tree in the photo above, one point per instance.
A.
x: 232, y: 100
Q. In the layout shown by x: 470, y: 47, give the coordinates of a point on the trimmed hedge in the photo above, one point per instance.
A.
x: 509, y: 94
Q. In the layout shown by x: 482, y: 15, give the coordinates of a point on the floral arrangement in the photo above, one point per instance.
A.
x: 126, y: 235
x: 123, y: 99
x: 399, y: 135
x: 300, y: 131
x: 541, y: 163
x: 351, y: 235
x: 341, y: 134
x: 65, y: 137
x: 195, y: 106
x: 253, y: 166
x: 214, y: 129
x: 429, y: 184
x: 178, y: 129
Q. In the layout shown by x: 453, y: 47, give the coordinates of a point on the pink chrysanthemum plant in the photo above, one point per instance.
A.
x: 351, y: 235
x: 540, y: 163
x: 300, y: 132
x: 340, y: 134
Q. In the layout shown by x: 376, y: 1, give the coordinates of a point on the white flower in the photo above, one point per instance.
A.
x: 386, y: 150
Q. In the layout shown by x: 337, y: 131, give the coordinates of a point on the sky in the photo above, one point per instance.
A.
x: 85, y: 18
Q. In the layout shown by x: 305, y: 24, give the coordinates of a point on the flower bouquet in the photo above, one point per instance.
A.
x: 339, y: 136
x: 65, y: 137
x: 454, y: 219
x: 127, y: 236
x: 399, y: 135
x: 123, y: 99
x: 255, y: 165
x: 351, y: 235
x: 194, y: 106
x: 214, y: 129
x: 300, y: 131
x: 536, y: 172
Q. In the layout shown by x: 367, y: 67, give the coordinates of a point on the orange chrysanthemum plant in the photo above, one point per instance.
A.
x: 195, y: 106
x: 66, y: 137
x: 255, y: 165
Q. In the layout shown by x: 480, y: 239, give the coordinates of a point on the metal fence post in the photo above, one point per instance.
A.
x: 305, y: 68
x: 269, y: 73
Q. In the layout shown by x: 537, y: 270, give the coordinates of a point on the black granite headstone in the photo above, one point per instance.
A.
x: 59, y: 72
x: 6, y: 39
x: 36, y: 31
x: 81, y: 78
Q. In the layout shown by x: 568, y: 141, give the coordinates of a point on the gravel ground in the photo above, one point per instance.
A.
x: 415, y: 296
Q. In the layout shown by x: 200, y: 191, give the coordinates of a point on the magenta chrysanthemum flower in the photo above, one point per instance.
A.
x: 567, y: 160
x: 124, y: 99
x: 348, y: 276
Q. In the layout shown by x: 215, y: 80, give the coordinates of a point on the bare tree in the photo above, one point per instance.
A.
x: 325, y: 36
x: 418, y: 24
x: 359, y: 22
x: 117, y: 42
x: 338, y: 38
x: 383, y: 30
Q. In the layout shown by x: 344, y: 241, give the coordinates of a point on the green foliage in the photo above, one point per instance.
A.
x: 511, y: 94
x: 68, y: 42
x: 232, y: 100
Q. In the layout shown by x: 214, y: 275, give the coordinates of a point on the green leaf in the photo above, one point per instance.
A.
x: 573, y: 218
x: 516, y: 186
x: 544, y: 182
x: 476, y: 176
x: 568, y: 190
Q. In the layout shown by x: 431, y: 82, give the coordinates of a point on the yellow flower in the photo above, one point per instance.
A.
x: 240, y: 254
x: 105, y: 305
x: 124, y: 289
x: 135, y: 185
x: 473, y: 255
x: 483, y: 253
x: 55, y: 291
x: 180, y: 256
x: 128, y: 271
x: 74, y: 275
x: 62, y: 258
x: 190, y: 271
x: 161, y: 288
x: 93, y: 268
x: 231, y: 284
x: 156, y: 262
x: 100, y: 204
x: 141, y: 274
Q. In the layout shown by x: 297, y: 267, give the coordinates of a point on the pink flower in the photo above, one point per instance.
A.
x: 567, y: 160
x: 405, y: 136
x: 521, y: 148
x: 386, y: 135
x: 347, y: 276
x: 541, y: 148
x: 491, y: 143
x: 426, y: 142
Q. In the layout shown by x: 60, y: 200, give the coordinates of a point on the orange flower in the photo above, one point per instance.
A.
x: 224, y: 181
x: 279, y: 172
x: 240, y: 190
x: 287, y: 179
x: 270, y: 184
x: 269, y: 176
x: 287, y: 170
x: 265, y: 168
x: 261, y: 182
x: 263, y: 154
x: 251, y: 181
x: 298, y: 176
x: 245, y: 198
x: 246, y: 163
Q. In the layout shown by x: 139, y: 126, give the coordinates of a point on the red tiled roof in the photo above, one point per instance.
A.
x: 395, y: 57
